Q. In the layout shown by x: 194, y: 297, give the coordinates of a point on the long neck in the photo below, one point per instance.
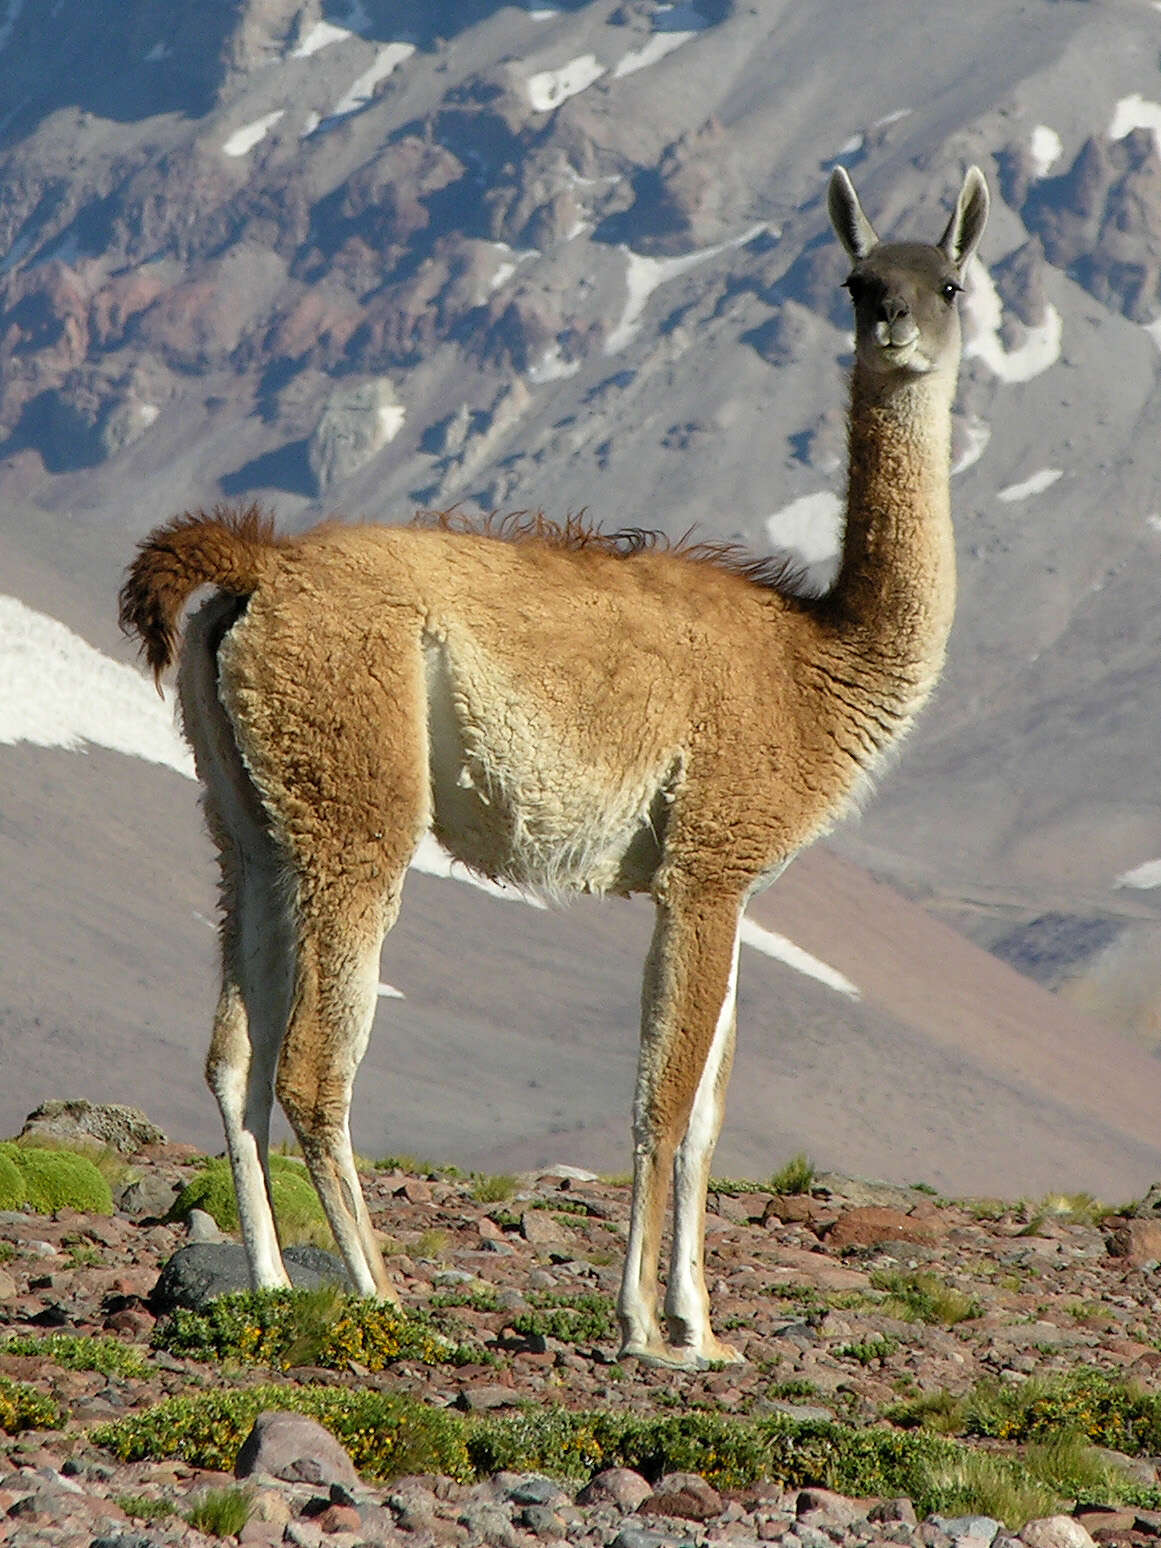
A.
x: 894, y: 597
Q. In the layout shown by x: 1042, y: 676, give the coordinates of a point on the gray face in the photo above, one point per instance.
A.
x: 904, y: 296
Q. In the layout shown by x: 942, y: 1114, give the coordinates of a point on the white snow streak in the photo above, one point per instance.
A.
x: 1153, y: 329
x: 360, y: 93
x: 1136, y: 112
x: 811, y: 528
x: 245, y: 139
x: 983, y: 313
x: 56, y: 690
x: 1046, y: 149
x: 643, y: 275
x: 324, y: 33
x: 771, y: 944
x: 977, y: 434
x: 1036, y: 484
x: 389, y: 992
x: 1143, y: 876
x: 549, y: 88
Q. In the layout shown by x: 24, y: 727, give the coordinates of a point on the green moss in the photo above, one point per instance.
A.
x: 13, y: 1188
x: 296, y: 1204
x: 386, y: 1435
x: 24, y: 1408
x: 53, y: 1180
x: 283, y: 1328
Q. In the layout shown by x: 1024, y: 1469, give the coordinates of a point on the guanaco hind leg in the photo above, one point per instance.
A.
x: 330, y: 1024
x: 687, y: 1040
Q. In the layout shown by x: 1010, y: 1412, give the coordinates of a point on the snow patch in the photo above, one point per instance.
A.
x: 57, y: 690
x: 1143, y: 876
x: 771, y: 944
x: 551, y: 367
x: 643, y: 275
x: 245, y: 139
x: 1153, y: 329
x: 977, y: 434
x: 1041, y: 480
x: 391, y: 417
x: 811, y: 529
x: 549, y: 88
x: 324, y: 33
x: 386, y: 60
x: 1046, y: 149
x: 674, y: 26
x: 983, y: 313
x: 1154, y: 522
x: 389, y: 992
x: 1136, y: 112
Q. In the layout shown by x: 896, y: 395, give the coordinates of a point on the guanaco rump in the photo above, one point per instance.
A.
x: 566, y: 710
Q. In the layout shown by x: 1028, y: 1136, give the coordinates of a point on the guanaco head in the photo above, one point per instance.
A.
x: 904, y: 293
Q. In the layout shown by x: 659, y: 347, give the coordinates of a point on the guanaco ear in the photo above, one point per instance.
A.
x: 966, y: 226
x: 851, y: 226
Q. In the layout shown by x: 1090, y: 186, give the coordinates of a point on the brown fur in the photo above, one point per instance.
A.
x: 565, y: 709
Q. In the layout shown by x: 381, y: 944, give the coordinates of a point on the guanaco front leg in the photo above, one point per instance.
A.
x: 687, y: 1037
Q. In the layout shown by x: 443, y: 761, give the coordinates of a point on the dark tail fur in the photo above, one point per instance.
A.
x: 230, y: 548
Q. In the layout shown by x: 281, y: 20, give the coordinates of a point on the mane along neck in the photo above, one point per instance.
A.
x: 894, y: 597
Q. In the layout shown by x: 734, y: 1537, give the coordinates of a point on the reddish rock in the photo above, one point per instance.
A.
x: 687, y: 1496
x: 872, y: 1224
x: 1137, y: 1241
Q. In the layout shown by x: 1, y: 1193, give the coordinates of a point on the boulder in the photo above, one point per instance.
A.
x: 124, y: 1129
x: 295, y: 1448
x: 197, y: 1274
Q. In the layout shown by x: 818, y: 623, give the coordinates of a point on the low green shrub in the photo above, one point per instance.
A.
x: 296, y: 1204
x: 24, y: 1408
x: 109, y: 1356
x: 923, y: 1297
x: 327, y: 1327
x: 797, y: 1176
x: 386, y: 1434
x: 573, y: 1319
x: 50, y: 1180
x: 221, y: 1512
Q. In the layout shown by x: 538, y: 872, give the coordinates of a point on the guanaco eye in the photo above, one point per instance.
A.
x: 855, y: 285
x: 949, y: 290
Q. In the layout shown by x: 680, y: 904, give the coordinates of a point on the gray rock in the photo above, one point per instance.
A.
x: 295, y: 1448
x: 199, y: 1273
x: 619, y: 1486
x: 202, y: 1227
x: 356, y: 423
x: 1056, y: 1532
x: 151, y: 1196
x: 979, y: 1529
x: 124, y: 1129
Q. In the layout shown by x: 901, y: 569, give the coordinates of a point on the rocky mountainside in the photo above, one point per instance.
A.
x: 341, y: 256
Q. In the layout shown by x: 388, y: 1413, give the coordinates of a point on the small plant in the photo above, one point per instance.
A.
x: 793, y: 1390
x: 869, y: 1350
x: 573, y: 1319
x: 797, y: 1176
x: 328, y: 1327
x: 221, y: 1512
x: 431, y: 1243
x: 144, y: 1507
x: 386, y: 1434
x: 496, y: 1188
x: 922, y: 1297
x: 72, y: 1352
x: 481, y: 1298
x: 24, y: 1408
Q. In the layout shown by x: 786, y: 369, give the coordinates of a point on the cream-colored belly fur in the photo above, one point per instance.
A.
x: 511, y: 799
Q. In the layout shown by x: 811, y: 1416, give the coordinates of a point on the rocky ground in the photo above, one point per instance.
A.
x: 807, y: 1285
